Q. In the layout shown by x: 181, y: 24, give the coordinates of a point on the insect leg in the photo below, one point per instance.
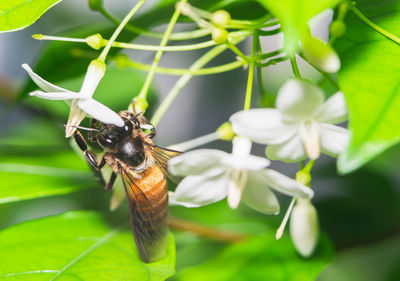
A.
x: 111, y: 181
x: 90, y: 157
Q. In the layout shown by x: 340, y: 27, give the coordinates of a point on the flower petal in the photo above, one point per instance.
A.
x: 195, y: 191
x: 333, y: 111
x: 93, y: 77
x: 334, y: 139
x: 310, y: 133
x: 299, y: 99
x: 304, y: 228
x: 56, y: 95
x: 76, y: 115
x: 43, y: 84
x: 290, y: 151
x: 263, y: 126
x: 100, y: 112
x: 258, y: 196
x: 241, y: 146
x: 197, y: 162
x: 250, y: 162
x: 236, y: 183
x: 285, y: 184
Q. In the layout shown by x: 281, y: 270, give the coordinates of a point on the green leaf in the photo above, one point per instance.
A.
x: 260, y: 258
x: 370, y: 81
x: 76, y: 246
x: 294, y: 16
x: 18, y: 14
x: 42, y: 175
x: 37, y: 162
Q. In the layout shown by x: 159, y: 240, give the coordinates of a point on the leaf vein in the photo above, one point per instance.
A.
x: 100, y: 242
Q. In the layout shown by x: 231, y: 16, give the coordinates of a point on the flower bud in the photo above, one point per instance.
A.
x: 140, y: 104
x: 95, y: 41
x: 96, y: 5
x: 320, y: 54
x: 220, y: 18
x: 225, y: 132
x: 337, y: 29
x: 304, y: 229
x: 219, y: 35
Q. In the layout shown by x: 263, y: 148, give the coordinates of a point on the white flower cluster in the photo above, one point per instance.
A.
x: 301, y: 126
x: 211, y: 175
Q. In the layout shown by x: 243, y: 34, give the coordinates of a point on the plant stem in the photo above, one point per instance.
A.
x: 380, y: 30
x: 208, y: 232
x: 190, y: 144
x: 269, y: 32
x: 182, y: 71
x: 196, y: 15
x: 268, y: 55
x: 189, y: 47
x: 237, y: 51
x: 173, y: 36
x: 249, y: 88
x: 269, y: 24
x: 309, y: 166
x: 150, y: 75
x: 141, y: 47
x: 295, y: 68
x: 271, y: 62
x: 187, y: 76
x: 105, y: 51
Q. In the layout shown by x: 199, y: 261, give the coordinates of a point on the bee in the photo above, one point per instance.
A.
x: 142, y: 166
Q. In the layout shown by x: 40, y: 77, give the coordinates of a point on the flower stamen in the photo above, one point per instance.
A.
x: 281, y: 228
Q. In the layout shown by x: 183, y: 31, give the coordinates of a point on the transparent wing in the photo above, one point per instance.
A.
x: 162, y: 155
x: 148, y: 204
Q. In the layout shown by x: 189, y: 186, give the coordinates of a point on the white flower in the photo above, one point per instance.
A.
x: 81, y: 103
x: 212, y: 175
x: 304, y: 229
x: 301, y: 125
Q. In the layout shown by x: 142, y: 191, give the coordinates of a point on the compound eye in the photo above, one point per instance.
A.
x: 128, y: 127
x: 109, y: 141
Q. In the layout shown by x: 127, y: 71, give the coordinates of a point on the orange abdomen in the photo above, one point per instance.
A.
x: 148, y: 199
